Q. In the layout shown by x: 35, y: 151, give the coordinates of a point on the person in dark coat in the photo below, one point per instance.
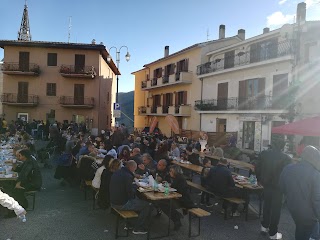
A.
x: 29, y: 179
x: 161, y: 174
x: 220, y: 182
x: 269, y: 167
x: 122, y: 196
x: 192, y: 157
x: 104, y: 191
x: 300, y: 183
x: 117, y: 137
x: 179, y: 183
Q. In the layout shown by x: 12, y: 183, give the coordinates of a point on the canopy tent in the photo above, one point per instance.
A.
x: 305, y: 127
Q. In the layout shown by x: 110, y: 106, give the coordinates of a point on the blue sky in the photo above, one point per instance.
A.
x: 146, y: 26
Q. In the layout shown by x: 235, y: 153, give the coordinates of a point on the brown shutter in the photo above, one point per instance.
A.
x: 186, y: 65
x: 176, y: 95
x: 23, y: 92
x: 184, y: 100
x: 164, y: 100
x: 80, y: 61
x: 24, y: 61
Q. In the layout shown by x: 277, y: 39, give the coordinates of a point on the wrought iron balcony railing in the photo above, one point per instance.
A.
x: 81, y: 71
x: 249, y: 103
x: 14, y: 98
x: 13, y: 67
x: 154, y: 81
x: 142, y: 110
x: 143, y: 84
x: 270, y: 51
x: 165, y: 79
x: 77, y: 101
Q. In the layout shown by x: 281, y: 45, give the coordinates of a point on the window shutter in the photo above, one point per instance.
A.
x: 184, y: 100
x: 186, y: 65
x: 254, y: 53
x: 176, y: 101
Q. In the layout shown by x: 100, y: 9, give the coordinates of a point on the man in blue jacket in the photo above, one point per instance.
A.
x: 301, y: 185
x: 122, y: 196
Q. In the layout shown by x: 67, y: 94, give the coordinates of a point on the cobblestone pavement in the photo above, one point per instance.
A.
x: 62, y: 213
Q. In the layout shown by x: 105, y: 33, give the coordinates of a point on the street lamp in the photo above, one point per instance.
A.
x: 127, y: 56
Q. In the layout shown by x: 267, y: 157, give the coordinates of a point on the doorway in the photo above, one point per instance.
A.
x: 221, y: 125
x: 248, y: 135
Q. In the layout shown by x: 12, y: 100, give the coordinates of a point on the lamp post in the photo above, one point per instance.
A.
x: 127, y: 56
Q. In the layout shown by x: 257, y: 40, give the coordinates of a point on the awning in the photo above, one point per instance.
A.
x: 305, y: 127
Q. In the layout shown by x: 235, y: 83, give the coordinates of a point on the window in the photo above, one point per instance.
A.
x: 182, y: 66
x: 229, y: 59
x: 79, y: 63
x: 181, y: 98
x: 24, y: 61
x: 157, y: 73
x: 252, y: 94
x: 169, y: 69
x: 264, y: 50
x: 52, y: 59
x: 51, y: 89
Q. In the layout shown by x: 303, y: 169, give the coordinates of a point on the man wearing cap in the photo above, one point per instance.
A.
x: 301, y: 185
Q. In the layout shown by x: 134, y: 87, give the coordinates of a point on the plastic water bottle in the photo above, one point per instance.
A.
x: 166, y: 189
x: 155, y: 185
x: 22, y: 218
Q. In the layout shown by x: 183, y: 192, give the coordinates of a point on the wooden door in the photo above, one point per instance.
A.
x: 24, y: 61
x: 22, y: 92
x: 79, y: 94
x: 79, y: 63
x: 222, y: 96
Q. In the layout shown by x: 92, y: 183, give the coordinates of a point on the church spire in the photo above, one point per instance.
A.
x: 24, y: 33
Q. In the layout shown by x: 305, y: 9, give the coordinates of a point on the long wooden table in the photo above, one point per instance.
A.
x: 233, y: 163
x: 159, y: 196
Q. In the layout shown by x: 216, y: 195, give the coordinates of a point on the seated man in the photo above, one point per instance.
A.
x: 179, y: 183
x: 136, y: 156
x: 192, y: 157
x: 161, y: 174
x: 29, y: 178
x: 85, y: 150
x: 122, y: 196
x: 220, y: 182
x: 148, y: 165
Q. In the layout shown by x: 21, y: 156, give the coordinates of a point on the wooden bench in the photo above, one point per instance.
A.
x: 33, y: 195
x: 197, y: 213
x: 125, y: 215
x: 230, y: 200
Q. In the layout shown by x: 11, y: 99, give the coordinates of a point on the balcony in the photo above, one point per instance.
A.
x: 79, y: 102
x: 21, y: 69
x: 240, y: 104
x: 142, y: 110
x: 180, y: 110
x: 143, y: 84
x: 71, y: 71
x: 13, y: 99
x: 273, y: 51
x: 177, y: 78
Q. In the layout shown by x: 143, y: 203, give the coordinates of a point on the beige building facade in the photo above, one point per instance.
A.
x: 246, y: 85
x: 169, y: 86
x: 58, y: 81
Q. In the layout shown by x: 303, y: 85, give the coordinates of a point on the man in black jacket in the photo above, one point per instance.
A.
x: 122, y: 196
x: 269, y: 167
x: 221, y: 183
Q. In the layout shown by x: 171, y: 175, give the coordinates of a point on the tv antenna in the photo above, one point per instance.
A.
x: 208, y: 34
x: 69, y: 29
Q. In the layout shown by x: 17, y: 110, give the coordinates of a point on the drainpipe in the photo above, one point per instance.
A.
x: 201, y: 79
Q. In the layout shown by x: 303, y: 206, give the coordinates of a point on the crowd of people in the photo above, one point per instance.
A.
x: 113, y: 160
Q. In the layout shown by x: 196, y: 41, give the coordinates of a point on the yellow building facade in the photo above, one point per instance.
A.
x: 58, y: 81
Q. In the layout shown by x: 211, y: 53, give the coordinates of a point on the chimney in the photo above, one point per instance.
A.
x: 266, y: 30
x: 301, y: 12
x: 93, y: 42
x: 242, y: 34
x: 166, y: 51
x: 222, y: 31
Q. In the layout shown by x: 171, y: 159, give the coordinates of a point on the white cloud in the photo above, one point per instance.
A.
x: 282, y: 2
x: 278, y: 19
x: 310, y: 3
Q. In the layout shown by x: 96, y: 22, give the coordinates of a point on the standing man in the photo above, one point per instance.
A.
x: 268, y: 170
x: 301, y: 185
